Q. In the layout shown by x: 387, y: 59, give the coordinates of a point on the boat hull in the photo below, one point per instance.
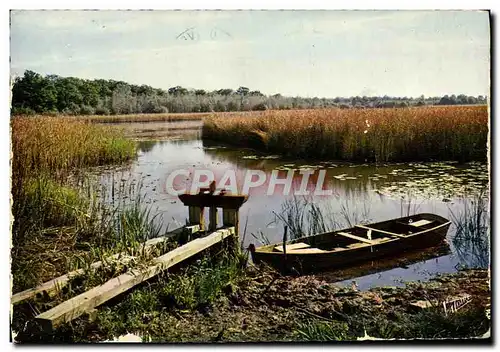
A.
x: 312, y: 262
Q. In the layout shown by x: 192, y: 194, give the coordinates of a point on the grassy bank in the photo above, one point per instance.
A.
x: 407, y: 134
x: 56, y: 225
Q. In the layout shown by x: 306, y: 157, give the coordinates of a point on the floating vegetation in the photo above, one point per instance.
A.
x: 283, y: 168
x: 340, y: 177
x: 436, y: 180
x: 261, y: 157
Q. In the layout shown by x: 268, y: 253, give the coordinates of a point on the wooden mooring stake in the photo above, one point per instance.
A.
x: 230, y: 217
x: 196, y: 217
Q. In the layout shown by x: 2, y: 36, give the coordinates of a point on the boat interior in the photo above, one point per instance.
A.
x: 358, y: 236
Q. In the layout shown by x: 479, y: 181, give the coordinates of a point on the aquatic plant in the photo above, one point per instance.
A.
x: 472, y: 237
x: 304, y: 216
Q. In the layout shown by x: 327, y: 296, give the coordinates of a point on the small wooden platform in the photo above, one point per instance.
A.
x: 226, y: 201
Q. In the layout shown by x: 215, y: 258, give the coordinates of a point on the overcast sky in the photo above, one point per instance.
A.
x: 306, y: 53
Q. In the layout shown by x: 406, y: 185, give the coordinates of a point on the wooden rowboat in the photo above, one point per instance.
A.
x: 359, y: 243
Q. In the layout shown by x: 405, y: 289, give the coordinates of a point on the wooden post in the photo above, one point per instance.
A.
x: 212, y: 215
x: 230, y: 217
x: 285, y: 239
x: 228, y: 202
x: 196, y: 217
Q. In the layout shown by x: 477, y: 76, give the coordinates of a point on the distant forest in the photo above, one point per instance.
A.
x: 35, y: 94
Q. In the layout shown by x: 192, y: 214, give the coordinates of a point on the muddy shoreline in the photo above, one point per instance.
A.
x: 263, y: 306
x: 268, y: 307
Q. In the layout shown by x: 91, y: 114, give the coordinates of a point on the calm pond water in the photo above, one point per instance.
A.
x: 361, y: 193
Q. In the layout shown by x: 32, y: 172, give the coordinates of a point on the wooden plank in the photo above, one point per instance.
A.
x: 354, y: 237
x: 229, y: 217
x: 381, y: 231
x: 292, y: 246
x: 196, y: 217
x: 306, y: 251
x: 62, y: 281
x: 419, y: 223
x: 85, y: 302
x: 356, y: 245
x: 212, y: 216
x: 213, y: 200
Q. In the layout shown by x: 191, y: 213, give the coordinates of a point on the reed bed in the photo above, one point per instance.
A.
x: 170, y: 117
x: 51, y: 144
x: 380, y: 135
x: 55, y: 223
x: 140, y: 117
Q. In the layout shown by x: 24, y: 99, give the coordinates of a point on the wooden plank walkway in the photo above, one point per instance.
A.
x: 76, y: 306
x: 60, y: 282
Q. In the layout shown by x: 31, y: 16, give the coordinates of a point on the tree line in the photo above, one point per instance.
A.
x: 34, y: 93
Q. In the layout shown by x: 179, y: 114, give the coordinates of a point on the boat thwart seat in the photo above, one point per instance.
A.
x: 292, y: 246
x: 354, y: 237
x: 306, y: 251
x: 420, y: 223
x: 380, y: 231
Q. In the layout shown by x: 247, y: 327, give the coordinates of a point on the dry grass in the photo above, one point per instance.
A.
x: 155, y: 117
x: 51, y: 144
x: 406, y: 134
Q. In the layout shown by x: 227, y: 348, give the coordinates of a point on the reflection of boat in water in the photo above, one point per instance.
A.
x: 357, y: 244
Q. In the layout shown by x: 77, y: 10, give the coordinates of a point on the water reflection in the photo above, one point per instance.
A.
x: 438, y: 180
x: 190, y: 129
x: 472, y: 231
x: 146, y: 146
x: 394, y: 271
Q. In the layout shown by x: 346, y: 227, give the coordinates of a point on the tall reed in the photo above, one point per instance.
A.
x: 405, y: 134
x: 50, y: 144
